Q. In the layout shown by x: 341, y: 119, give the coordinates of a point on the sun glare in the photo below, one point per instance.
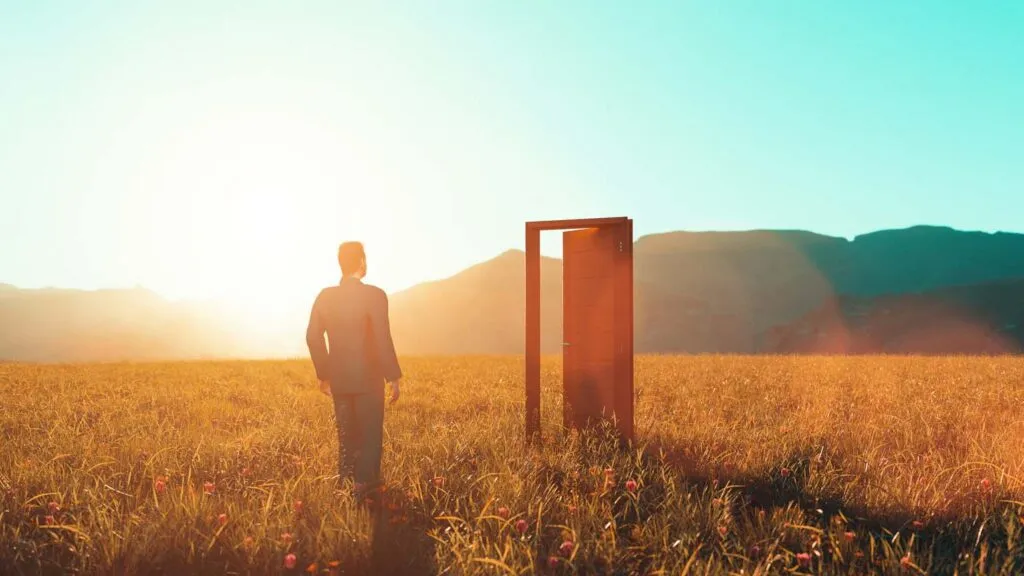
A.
x: 245, y: 196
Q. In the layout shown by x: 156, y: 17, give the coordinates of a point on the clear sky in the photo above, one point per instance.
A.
x: 204, y: 149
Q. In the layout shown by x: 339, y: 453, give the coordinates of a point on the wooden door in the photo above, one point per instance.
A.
x: 597, y: 325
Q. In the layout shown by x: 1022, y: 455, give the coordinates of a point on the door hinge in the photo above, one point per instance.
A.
x: 620, y: 246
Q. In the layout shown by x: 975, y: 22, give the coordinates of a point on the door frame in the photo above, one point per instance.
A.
x: 624, y: 321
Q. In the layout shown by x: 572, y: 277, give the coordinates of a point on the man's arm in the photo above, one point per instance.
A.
x: 316, y: 342
x: 382, y: 334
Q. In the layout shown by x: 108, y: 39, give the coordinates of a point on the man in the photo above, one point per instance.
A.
x: 354, y: 316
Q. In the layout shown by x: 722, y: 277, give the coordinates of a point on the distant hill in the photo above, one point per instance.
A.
x: 977, y: 319
x: 720, y: 292
x: 708, y: 291
x: 480, y: 310
x: 55, y: 325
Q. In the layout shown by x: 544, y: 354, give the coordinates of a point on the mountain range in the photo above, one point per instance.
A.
x: 760, y: 291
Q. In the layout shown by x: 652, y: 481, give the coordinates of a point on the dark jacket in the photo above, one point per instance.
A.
x: 354, y: 316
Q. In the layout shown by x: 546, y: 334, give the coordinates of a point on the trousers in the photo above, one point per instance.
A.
x: 360, y: 421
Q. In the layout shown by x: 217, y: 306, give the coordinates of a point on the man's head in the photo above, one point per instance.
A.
x: 352, y: 259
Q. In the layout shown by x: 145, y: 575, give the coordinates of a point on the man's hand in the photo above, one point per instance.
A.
x: 395, y: 391
x: 325, y: 387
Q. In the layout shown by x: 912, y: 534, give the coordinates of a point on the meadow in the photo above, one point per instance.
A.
x: 824, y: 465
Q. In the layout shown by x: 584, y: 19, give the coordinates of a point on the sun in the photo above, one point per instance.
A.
x: 241, y: 199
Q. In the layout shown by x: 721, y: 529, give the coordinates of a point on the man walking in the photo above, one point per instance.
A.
x: 354, y: 316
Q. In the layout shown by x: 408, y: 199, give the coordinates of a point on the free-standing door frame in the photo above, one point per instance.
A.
x: 624, y: 280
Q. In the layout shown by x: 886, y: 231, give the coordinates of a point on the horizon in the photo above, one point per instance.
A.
x: 545, y: 254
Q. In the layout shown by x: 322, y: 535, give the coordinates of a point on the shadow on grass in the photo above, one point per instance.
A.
x: 400, y: 544
x: 946, y: 537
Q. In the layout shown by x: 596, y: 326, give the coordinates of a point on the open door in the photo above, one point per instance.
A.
x: 597, y: 325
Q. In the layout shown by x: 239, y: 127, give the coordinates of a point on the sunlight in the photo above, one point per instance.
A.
x: 248, y: 201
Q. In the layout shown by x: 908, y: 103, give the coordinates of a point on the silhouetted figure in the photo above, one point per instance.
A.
x: 354, y: 316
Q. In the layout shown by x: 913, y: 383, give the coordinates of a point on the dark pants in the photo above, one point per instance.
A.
x: 360, y: 419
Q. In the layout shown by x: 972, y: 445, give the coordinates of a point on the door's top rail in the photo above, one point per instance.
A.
x: 579, y: 223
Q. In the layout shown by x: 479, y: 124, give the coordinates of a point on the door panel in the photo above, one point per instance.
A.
x: 592, y: 338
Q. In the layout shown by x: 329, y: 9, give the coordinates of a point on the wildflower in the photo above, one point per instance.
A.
x: 849, y: 536
x: 566, y: 548
x: 521, y: 526
x: 572, y: 508
x: 723, y: 530
x: 286, y: 538
x: 503, y: 512
x: 160, y: 485
x: 439, y: 481
x: 49, y: 521
x: 222, y: 519
x: 247, y: 542
x: 631, y: 485
x: 209, y: 487
x: 552, y: 561
x: 804, y: 559
x: 784, y: 472
x: 917, y: 524
x: 986, y: 484
x: 289, y: 561
x: 311, y: 569
x: 53, y: 507
x: 905, y: 562
x: 755, y: 551
x: 245, y: 472
x: 298, y: 506
x: 609, y: 472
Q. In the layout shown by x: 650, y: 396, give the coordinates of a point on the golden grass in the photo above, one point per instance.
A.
x: 884, y: 465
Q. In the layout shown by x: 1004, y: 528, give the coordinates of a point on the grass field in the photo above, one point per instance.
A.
x: 759, y: 465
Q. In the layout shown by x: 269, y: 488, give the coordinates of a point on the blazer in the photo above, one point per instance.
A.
x: 354, y: 317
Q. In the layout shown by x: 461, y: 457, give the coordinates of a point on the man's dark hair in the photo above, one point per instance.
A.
x: 350, y: 257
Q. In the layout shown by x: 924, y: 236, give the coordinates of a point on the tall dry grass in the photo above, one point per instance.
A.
x: 765, y: 465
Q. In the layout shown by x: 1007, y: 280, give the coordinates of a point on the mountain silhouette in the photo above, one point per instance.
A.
x: 976, y: 319
x: 695, y: 292
x: 58, y: 325
x: 707, y: 292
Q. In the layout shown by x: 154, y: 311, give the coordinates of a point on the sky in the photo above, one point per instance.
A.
x: 223, y: 150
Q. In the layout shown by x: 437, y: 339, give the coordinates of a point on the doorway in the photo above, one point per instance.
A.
x: 597, y: 325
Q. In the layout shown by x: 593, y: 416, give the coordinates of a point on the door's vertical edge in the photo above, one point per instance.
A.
x: 624, y: 330
x: 567, y: 333
x: 630, y: 370
x: 532, y: 340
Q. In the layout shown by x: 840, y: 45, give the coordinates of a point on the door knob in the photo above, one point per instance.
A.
x: 565, y: 343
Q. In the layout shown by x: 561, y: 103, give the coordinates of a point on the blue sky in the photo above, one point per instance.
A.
x: 206, y: 149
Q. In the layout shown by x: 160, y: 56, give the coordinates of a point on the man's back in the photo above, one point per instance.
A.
x: 354, y: 317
